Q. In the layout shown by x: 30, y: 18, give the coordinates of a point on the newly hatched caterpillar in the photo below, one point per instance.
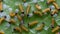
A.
x: 2, y: 19
x: 53, y: 22
x: 40, y: 27
x: 50, y: 1
x: 1, y: 32
x: 54, y: 12
x: 38, y: 7
x: 56, y: 6
x: 12, y: 21
x: 23, y: 28
x: 19, y: 17
x: 17, y: 29
x: 12, y: 14
x: 28, y: 9
x: 32, y: 23
x: 21, y: 8
x: 1, y: 8
x: 24, y: 1
x: 46, y: 10
x: 55, y: 29
x: 38, y: 13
